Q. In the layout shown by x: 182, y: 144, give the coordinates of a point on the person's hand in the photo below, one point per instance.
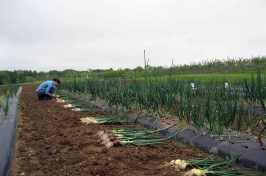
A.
x: 53, y: 96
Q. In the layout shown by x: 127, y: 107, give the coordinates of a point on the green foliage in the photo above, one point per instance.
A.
x: 4, y: 77
x: 231, y: 69
x: 8, y: 92
x: 209, y: 105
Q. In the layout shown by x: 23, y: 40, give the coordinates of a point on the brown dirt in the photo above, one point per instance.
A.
x: 51, y: 140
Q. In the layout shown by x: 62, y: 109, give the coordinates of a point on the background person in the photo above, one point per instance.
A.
x: 46, y: 90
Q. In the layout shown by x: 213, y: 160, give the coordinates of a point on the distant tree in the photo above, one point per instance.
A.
x: 4, y: 77
x: 54, y: 73
x: 29, y: 79
x: 69, y: 73
x: 138, y: 69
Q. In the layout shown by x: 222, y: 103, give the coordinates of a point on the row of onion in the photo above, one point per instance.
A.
x: 207, y: 166
x: 118, y: 137
x: 103, y: 120
x: 8, y: 92
x: 190, y: 167
x: 209, y: 105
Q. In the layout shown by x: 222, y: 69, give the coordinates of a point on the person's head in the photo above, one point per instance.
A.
x: 57, y: 81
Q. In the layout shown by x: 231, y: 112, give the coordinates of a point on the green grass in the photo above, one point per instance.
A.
x: 230, y: 77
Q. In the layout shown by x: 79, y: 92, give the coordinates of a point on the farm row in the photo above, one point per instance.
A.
x: 6, y: 92
x: 211, y: 105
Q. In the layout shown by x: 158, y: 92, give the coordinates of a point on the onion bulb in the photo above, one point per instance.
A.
x: 60, y: 101
x: 100, y: 133
x: 196, y: 172
x: 76, y: 109
x: 180, y: 164
x: 68, y: 106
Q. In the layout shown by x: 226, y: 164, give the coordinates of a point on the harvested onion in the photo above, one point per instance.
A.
x: 88, y: 120
x: 180, y: 164
x: 76, y: 109
x: 68, y: 105
x: 194, y: 172
x: 60, y: 100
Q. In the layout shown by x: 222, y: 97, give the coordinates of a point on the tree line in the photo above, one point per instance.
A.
x: 205, y: 67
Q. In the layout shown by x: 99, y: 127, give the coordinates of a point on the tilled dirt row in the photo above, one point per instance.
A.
x: 51, y: 140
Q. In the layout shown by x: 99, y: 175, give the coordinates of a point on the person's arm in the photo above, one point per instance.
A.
x: 47, y: 92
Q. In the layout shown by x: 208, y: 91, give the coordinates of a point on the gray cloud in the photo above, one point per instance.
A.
x: 57, y: 35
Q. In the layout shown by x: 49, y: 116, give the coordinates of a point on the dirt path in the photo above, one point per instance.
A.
x: 52, y: 141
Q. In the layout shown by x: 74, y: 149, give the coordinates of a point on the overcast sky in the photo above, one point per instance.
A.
x: 45, y: 35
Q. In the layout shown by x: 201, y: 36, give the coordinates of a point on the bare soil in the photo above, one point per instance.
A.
x: 51, y: 140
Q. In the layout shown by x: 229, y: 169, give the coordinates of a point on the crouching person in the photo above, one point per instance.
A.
x: 46, y: 90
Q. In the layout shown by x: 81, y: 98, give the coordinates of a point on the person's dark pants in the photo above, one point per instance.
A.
x: 43, y: 96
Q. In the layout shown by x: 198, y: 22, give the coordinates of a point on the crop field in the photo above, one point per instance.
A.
x: 55, y: 138
x: 53, y: 141
x: 215, y: 106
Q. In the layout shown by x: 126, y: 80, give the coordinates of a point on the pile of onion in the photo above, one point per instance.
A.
x: 68, y: 106
x: 194, y: 172
x: 88, y: 120
x: 76, y: 109
x: 60, y: 100
x: 109, y: 139
x: 179, y: 164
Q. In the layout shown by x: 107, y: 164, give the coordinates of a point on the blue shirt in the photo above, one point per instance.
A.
x: 46, y: 85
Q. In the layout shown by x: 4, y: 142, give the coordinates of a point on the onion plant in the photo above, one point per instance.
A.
x: 6, y: 106
x: 116, y: 137
x: 209, y: 104
x: 9, y: 92
x: 208, y: 115
x: 103, y: 120
x: 133, y: 137
x: 239, y: 118
x: 197, y: 117
x: 255, y: 95
x: 210, y: 165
